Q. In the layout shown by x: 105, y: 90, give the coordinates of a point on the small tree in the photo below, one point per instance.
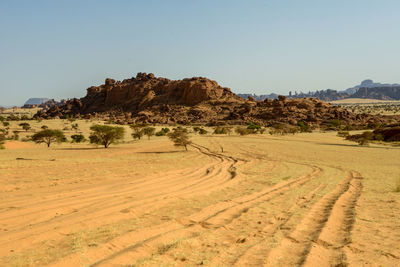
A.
x: 105, y: 135
x: 137, y: 131
x: 48, y: 136
x: 26, y: 126
x: 179, y: 137
x: 149, y: 131
x: 77, y: 138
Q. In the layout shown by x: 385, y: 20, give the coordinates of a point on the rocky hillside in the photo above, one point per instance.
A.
x: 147, y: 98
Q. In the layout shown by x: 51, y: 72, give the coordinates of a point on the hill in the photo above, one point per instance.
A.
x: 149, y: 99
x: 36, y: 101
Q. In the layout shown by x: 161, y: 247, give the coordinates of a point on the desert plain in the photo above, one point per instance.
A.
x: 310, y: 199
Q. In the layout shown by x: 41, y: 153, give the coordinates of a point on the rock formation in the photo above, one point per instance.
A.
x: 146, y: 98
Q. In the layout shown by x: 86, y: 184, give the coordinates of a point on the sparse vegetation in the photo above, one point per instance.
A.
x: 180, y: 137
x: 26, y: 126
x: 105, y: 135
x: 149, y: 131
x: 78, y: 138
x: 48, y: 136
x: 137, y: 131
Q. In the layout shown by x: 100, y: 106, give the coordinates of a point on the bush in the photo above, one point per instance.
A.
x: 304, y: 128
x: 202, y: 131
x: 105, y: 135
x: 243, y: 131
x: 77, y: 138
x: 48, y: 136
x: 44, y: 127
x: 162, y: 132
x: 220, y: 130
x: 252, y: 126
x: 5, y: 123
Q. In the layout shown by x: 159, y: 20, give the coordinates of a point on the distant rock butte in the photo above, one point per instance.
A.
x: 147, y: 98
x: 36, y: 101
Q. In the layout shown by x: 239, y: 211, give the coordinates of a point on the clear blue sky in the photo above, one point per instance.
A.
x: 57, y: 49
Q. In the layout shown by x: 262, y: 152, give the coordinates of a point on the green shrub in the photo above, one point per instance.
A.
x: 77, y: 138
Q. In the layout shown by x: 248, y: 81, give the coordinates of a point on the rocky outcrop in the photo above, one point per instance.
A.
x: 147, y: 98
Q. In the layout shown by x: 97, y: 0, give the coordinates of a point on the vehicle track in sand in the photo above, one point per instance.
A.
x: 95, y: 205
x: 136, y: 245
x: 323, y: 233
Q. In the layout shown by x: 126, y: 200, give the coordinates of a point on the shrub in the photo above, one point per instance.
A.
x: 5, y: 123
x: 304, y: 128
x: 180, y: 137
x: 77, y: 138
x: 363, y: 142
x: 75, y: 127
x: 48, y: 136
x: 202, y: 131
x: 220, y: 130
x: 162, y: 132
x: 105, y: 135
x: 343, y: 133
x: 242, y: 131
x: 44, y: 127
x: 252, y: 126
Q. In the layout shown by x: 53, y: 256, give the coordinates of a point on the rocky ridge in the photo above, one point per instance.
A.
x: 146, y: 98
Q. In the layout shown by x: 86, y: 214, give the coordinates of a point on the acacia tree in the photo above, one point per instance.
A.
x: 105, y: 135
x: 149, y: 131
x: 48, y: 136
x: 180, y: 137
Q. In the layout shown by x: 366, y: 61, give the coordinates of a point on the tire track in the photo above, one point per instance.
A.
x: 213, y: 217
x: 326, y: 218
x: 98, y: 207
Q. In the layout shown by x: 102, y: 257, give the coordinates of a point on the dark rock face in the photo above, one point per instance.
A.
x: 146, y: 98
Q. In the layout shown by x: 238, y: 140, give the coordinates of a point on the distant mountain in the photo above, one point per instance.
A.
x: 382, y: 93
x: 259, y: 97
x: 370, y: 90
x: 36, y: 101
x: 368, y: 84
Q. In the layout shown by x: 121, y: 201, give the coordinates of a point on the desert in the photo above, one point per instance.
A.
x: 199, y: 133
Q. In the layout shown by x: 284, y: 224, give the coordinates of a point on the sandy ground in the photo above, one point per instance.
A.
x: 308, y: 199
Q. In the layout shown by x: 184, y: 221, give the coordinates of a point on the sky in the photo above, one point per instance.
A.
x: 57, y: 49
